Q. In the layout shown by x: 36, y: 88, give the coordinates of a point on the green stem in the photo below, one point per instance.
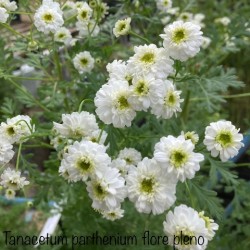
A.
x: 190, y: 195
x: 147, y: 221
x: 243, y: 164
x: 71, y: 17
x: 236, y: 96
x: 13, y: 31
x: 223, y: 96
x: 201, y: 149
x: 21, y: 12
x: 30, y: 128
x: 100, y: 135
x: 177, y: 68
x: 35, y: 135
x: 82, y: 102
x: 60, y: 75
x: 30, y: 96
x: 186, y: 107
x: 141, y: 37
x: 18, y: 156
x: 31, y: 78
x: 58, y: 65
x: 46, y: 145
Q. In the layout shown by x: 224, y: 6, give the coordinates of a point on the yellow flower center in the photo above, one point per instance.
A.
x: 84, y: 62
x: 148, y: 58
x: 84, y: 14
x: 178, y: 158
x: 122, y: 102
x: 141, y: 88
x: 84, y: 164
x: 225, y: 138
x: 48, y: 18
x: 147, y: 185
x: 10, y: 131
x: 179, y: 35
x: 170, y: 99
x: 99, y: 191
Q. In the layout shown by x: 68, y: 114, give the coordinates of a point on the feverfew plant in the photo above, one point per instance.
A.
x: 125, y: 104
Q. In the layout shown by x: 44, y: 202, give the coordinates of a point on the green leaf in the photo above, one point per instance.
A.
x: 207, y: 199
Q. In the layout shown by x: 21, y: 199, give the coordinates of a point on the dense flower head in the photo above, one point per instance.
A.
x: 183, y: 223
x: 173, y: 11
x: 210, y: 225
x: 8, y: 5
x: 205, y: 42
x: 198, y: 18
x: 223, y: 139
x: 182, y: 40
x: 131, y: 156
x: 101, y: 9
x: 84, y: 62
x: 87, y: 28
x: 150, y: 187
x: 112, y: 105
x: 150, y: 59
x: 15, y: 128
x: 164, y: 5
x: 76, y: 125
x: 186, y: 16
x: 166, y: 99
x: 113, y: 213
x: 11, y: 179
x: 107, y: 189
x: 84, y: 12
x: 191, y: 135
x: 98, y: 136
x: 194, y: 18
x: 63, y: 35
x: 48, y: 17
x: 121, y: 165
x: 223, y: 20
x: 175, y: 154
x: 142, y: 91
x: 3, y: 15
x: 82, y: 160
x: 118, y: 70
x: 10, y: 194
x: 6, y: 152
x: 122, y: 27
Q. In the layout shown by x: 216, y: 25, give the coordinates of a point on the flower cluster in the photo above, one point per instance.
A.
x: 150, y: 79
x: 136, y: 85
x: 88, y: 16
x: 83, y: 62
x: 85, y: 159
x: 163, y: 5
x: 14, y: 130
x: 141, y: 82
x: 12, y: 181
x: 48, y: 17
x: 223, y: 139
x: 122, y: 27
x: 176, y: 156
x: 5, y: 7
x: 187, y: 225
x: 182, y: 40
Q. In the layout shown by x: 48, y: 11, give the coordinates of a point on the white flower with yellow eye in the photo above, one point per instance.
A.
x: 182, y: 40
x: 48, y: 17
